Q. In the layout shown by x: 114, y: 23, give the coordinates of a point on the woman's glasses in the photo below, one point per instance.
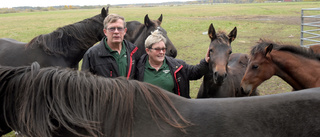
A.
x: 159, y: 49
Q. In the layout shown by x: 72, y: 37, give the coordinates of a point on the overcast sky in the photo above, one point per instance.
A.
x: 45, y: 3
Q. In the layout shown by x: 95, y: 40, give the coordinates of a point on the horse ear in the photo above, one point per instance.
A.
x: 160, y: 18
x: 268, y: 49
x: 233, y: 34
x: 212, y: 32
x: 104, y: 12
x: 147, y: 21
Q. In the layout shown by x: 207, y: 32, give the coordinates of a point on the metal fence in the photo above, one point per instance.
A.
x: 310, y: 27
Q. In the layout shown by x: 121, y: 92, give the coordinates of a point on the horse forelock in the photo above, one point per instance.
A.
x: 40, y: 101
x: 222, y: 38
x: 73, y: 37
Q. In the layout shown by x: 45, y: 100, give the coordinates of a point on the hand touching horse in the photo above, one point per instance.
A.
x: 226, y: 68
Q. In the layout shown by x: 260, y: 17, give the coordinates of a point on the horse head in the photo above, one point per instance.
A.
x: 259, y: 68
x: 137, y: 33
x: 156, y: 25
x: 220, y: 50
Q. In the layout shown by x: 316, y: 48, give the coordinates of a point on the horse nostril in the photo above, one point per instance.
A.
x: 215, y: 74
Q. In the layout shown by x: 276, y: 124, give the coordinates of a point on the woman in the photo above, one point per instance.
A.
x: 168, y: 73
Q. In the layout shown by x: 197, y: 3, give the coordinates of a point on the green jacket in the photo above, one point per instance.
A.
x: 181, y: 72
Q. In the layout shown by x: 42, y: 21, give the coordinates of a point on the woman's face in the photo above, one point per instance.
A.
x: 157, y: 52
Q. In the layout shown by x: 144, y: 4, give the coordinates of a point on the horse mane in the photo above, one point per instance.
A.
x: 40, y: 101
x: 80, y: 35
x: 295, y: 49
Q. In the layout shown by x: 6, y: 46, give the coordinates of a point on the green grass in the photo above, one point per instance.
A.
x: 185, y: 25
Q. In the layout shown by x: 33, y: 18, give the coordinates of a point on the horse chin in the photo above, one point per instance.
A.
x: 247, y: 89
x: 218, y: 81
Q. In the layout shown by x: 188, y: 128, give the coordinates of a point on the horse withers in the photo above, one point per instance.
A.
x: 226, y: 68
x: 137, y: 33
x: 296, y: 65
x: 63, y: 47
x: 44, y: 102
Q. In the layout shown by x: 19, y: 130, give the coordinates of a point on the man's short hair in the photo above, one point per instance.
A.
x: 111, y: 18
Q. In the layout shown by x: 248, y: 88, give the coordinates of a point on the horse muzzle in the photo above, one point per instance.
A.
x: 171, y: 53
x: 246, y: 89
x: 219, y: 78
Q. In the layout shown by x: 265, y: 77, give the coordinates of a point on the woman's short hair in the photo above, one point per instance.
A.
x: 111, y: 18
x: 155, y: 37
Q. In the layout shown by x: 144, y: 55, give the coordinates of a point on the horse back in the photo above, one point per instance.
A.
x: 293, y: 114
x: 15, y: 53
x: 6, y: 42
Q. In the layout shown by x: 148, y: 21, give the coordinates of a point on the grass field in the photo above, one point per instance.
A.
x: 185, y: 25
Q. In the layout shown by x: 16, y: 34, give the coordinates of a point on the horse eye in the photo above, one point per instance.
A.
x: 230, y: 52
x: 211, y: 50
x: 255, y: 67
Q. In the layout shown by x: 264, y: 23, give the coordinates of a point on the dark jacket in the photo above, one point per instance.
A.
x: 99, y: 61
x: 181, y: 72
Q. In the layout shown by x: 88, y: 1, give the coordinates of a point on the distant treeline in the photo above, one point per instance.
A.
x: 66, y: 7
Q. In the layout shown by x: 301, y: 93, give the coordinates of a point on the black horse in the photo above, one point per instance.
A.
x: 226, y: 68
x: 65, y: 102
x: 63, y: 47
x: 137, y: 33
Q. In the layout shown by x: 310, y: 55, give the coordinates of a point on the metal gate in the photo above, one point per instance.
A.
x: 310, y: 27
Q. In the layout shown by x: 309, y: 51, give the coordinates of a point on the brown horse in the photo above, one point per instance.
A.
x: 226, y: 68
x: 63, y: 47
x: 137, y: 33
x: 55, y: 102
x: 315, y: 48
x: 298, y: 66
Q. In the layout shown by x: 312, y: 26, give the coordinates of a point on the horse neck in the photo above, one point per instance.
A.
x: 296, y: 70
x: 140, y: 37
x: 74, y: 40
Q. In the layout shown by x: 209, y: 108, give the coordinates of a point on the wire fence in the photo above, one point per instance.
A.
x: 310, y: 27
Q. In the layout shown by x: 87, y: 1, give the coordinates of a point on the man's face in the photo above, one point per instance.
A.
x: 115, y: 32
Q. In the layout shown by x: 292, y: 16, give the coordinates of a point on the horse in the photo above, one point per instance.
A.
x: 226, y: 68
x: 315, y: 48
x: 63, y: 47
x: 137, y: 33
x: 55, y: 101
x: 298, y: 66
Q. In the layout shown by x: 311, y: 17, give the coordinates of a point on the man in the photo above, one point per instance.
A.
x: 113, y: 56
x: 168, y: 73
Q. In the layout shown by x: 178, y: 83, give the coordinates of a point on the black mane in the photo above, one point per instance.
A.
x: 64, y: 40
x: 295, y: 49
